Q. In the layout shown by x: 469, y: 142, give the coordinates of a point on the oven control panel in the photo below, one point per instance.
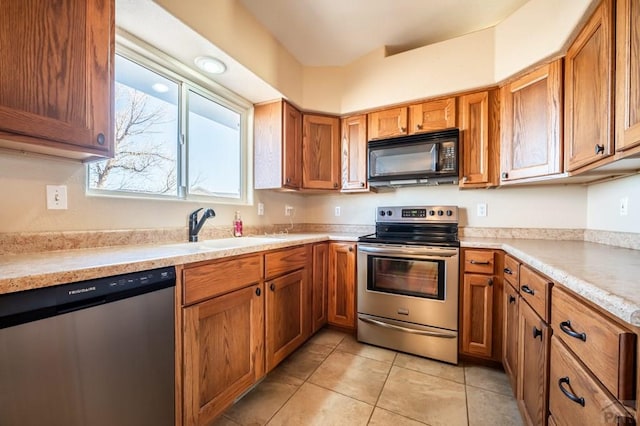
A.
x: 412, y: 214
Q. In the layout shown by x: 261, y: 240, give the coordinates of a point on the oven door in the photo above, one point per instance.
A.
x: 416, y: 284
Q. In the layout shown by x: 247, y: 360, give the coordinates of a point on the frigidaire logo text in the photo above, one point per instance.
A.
x: 82, y: 290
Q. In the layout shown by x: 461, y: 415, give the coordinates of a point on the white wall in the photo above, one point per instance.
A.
x: 603, y: 205
x: 523, y: 207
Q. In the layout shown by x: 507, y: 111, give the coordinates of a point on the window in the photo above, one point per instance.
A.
x: 173, y: 139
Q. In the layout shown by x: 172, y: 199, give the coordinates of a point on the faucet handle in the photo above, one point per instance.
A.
x: 194, y: 214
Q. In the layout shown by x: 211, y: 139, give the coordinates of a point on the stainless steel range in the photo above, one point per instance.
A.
x: 408, y: 281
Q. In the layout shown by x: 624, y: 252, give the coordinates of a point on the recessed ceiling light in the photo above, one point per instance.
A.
x: 160, y: 88
x: 210, y: 65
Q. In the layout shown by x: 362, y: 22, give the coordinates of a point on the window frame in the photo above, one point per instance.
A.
x: 188, y: 79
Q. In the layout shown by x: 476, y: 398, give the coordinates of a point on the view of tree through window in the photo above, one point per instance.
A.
x: 148, y: 156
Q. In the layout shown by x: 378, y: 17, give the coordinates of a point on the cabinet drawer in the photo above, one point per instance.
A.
x: 283, y: 261
x: 479, y: 261
x: 576, y: 397
x: 512, y: 271
x: 607, y: 349
x: 219, y: 277
x: 535, y: 289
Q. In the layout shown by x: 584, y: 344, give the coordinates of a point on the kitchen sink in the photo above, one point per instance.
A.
x: 230, y: 243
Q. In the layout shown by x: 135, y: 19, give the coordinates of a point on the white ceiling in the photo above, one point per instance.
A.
x: 336, y: 32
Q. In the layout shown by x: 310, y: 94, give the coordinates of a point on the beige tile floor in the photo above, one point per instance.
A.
x: 335, y: 380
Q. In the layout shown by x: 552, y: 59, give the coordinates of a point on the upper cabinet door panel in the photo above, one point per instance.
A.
x: 532, y: 124
x: 432, y: 116
x: 320, y: 152
x: 589, y: 92
x: 627, y: 75
x: 354, y: 153
x: 292, y: 147
x: 57, y: 73
x: 388, y: 123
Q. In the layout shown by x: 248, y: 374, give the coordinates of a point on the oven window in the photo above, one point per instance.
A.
x: 411, y: 277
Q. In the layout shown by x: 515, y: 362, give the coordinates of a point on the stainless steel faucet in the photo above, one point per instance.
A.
x: 195, y: 225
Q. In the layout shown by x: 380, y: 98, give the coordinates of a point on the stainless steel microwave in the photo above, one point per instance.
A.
x: 424, y: 159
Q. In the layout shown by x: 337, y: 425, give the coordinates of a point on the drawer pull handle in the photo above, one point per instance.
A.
x: 508, y: 271
x: 571, y: 396
x: 537, y: 332
x: 526, y: 289
x: 475, y: 262
x: 566, y: 327
x: 512, y: 299
x: 258, y: 291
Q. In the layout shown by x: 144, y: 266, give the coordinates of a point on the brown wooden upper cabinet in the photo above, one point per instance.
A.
x: 433, y: 115
x: 387, y: 123
x: 278, y: 146
x: 531, y: 142
x: 479, y: 121
x: 628, y: 76
x: 57, y: 98
x: 588, y: 118
x: 354, y: 153
x: 320, y: 152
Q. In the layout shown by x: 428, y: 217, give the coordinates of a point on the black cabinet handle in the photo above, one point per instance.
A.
x: 101, y: 139
x: 508, y: 271
x: 537, y: 332
x: 335, y: 185
x: 505, y: 175
x: 490, y: 282
x: 475, y: 262
x: 272, y: 287
x: 362, y: 184
x: 571, y: 396
x: 599, y: 149
x: 350, y: 249
x: 526, y: 289
x: 512, y: 299
x: 566, y: 327
x: 258, y: 291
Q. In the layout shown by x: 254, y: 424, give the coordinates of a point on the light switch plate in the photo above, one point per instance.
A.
x: 481, y: 209
x: 57, y: 197
x: 624, y: 206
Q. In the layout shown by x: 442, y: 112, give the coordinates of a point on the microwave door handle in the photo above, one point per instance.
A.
x: 408, y: 251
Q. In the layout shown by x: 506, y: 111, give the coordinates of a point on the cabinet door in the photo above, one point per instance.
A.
x: 510, y: 349
x: 432, y: 116
x: 287, y: 323
x: 477, y: 315
x: 627, y: 74
x: 588, y: 91
x: 354, y: 153
x: 319, y: 287
x: 223, y: 351
x: 533, y: 365
x: 387, y: 123
x: 57, y: 80
x: 342, y: 283
x: 321, y: 152
x: 292, y: 147
x: 479, y: 139
x: 532, y: 124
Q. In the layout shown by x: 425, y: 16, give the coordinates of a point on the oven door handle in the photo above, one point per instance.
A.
x: 407, y: 330
x: 407, y: 251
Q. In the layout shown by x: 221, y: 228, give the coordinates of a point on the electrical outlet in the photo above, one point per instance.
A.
x: 482, y: 209
x: 288, y: 210
x: 260, y: 209
x: 336, y: 211
x: 56, y: 197
x: 624, y: 206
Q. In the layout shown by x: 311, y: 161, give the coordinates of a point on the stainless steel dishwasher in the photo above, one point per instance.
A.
x: 91, y: 353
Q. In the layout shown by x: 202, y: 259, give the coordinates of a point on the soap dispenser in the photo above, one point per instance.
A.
x: 237, y: 225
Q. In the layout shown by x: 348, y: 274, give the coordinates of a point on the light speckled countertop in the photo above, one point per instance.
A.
x: 606, y: 275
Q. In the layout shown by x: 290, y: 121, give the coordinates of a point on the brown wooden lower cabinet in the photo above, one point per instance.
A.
x: 342, y: 285
x: 477, y: 317
x: 533, y: 363
x: 223, y: 351
x: 319, y: 288
x: 510, y: 302
x: 287, y: 320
